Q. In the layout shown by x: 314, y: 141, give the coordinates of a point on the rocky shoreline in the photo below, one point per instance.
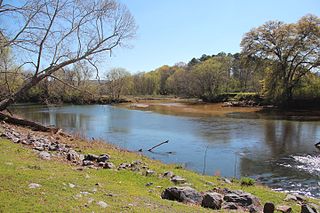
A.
x: 50, y: 147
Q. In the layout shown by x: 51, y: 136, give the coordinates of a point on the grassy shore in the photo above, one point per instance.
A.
x: 65, y: 188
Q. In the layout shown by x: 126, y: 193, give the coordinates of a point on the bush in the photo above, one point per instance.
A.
x: 246, y: 181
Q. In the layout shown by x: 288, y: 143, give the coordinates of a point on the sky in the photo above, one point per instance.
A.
x: 172, y: 31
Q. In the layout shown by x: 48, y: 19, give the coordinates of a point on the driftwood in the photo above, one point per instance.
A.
x: 150, y: 150
x: 23, y: 122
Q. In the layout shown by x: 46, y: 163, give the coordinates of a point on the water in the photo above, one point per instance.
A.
x: 278, y: 152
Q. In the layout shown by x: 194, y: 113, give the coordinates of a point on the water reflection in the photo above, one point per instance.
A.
x: 238, y: 144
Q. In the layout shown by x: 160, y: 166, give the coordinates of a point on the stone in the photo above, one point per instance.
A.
x: 284, y: 209
x: 108, y: 165
x: 300, y: 198
x: 101, y: 164
x: 71, y: 185
x: 16, y: 140
x: 168, y: 174
x: 45, y: 155
x: 255, y: 209
x: 184, y: 194
x: 241, y: 198
x: 229, y: 205
x: 39, y: 148
x: 102, y: 204
x: 73, y: 156
x: 212, y: 200
x: 34, y: 185
x: 268, y: 207
x: 149, y: 172
x: 308, y: 209
x: 103, y: 158
x: 178, y: 180
x: 226, y: 180
x: 290, y: 197
x: 87, y: 163
x: 91, y: 157
x: 149, y: 184
x: 124, y: 166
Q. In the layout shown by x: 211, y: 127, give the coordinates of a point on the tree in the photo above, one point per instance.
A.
x: 117, y: 81
x: 293, y: 50
x: 63, y: 32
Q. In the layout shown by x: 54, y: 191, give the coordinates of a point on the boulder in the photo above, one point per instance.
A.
x: 308, y: 209
x: 290, y: 197
x: 108, y: 165
x: 182, y: 194
x: 241, y: 198
x: 229, y: 205
x: 212, y: 200
x: 87, y: 163
x: 73, y: 156
x: 150, y: 172
x: 178, y: 180
x: 284, y: 209
x: 91, y: 157
x: 268, y: 207
x: 103, y: 158
x: 168, y: 174
x: 45, y: 155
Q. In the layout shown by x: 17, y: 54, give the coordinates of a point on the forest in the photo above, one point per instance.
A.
x: 278, y: 63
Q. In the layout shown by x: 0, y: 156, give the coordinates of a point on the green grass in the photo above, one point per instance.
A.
x: 20, y: 166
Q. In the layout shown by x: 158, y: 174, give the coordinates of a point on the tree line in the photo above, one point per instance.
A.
x: 59, y: 47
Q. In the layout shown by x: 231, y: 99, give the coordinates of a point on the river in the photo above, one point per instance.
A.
x: 277, y: 150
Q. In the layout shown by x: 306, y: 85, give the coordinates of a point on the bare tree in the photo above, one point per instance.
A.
x: 117, y: 80
x: 63, y: 32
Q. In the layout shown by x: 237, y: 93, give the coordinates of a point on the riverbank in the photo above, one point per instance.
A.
x: 30, y: 183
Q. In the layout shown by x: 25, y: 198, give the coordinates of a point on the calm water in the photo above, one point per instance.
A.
x: 278, y: 152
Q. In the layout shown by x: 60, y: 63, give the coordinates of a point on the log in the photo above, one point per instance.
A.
x: 23, y: 122
x: 150, y: 150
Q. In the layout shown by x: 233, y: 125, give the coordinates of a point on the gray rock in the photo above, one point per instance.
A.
x: 34, y: 185
x: 182, y: 194
x: 149, y: 184
x: 254, y: 209
x: 87, y: 163
x: 284, y: 209
x: 108, y: 165
x: 91, y: 157
x: 241, y: 198
x: 178, y: 180
x: 73, y: 156
x: 103, y: 158
x: 268, y: 207
x: 168, y: 174
x: 101, y: 164
x: 308, y: 209
x: 39, y: 148
x: 150, y: 172
x: 71, y: 185
x: 102, y: 204
x: 229, y: 205
x: 212, y: 200
x: 290, y: 197
x: 16, y: 140
x: 45, y: 155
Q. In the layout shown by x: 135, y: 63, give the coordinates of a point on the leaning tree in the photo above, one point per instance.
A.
x: 50, y: 35
x: 293, y: 50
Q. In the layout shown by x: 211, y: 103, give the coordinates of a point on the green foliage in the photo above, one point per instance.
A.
x: 246, y: 181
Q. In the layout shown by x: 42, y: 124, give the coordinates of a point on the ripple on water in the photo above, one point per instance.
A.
x: 306, y: 163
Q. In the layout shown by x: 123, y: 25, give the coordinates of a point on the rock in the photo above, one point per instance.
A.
x: 255, y: 209
x: 227, y: 181
x: 102, y: 204
x: 39, y: 148
x: 101, y: 164
x: 290, y: 197
x: 74, y: 156
x: 212, y: 200
x: 108, y: 165
x: 300, y: 198
x: 149, y: 184
x: 87, y: 163
x: 103, y: 158
x: 182, y: 194
x: 16, y: 140
x: 268, y: 207
x: 168, y: 174
x: 149, y: 172
x: 71, y: 185
x: 34, y: 185
x: 241, y: 198
x: 308, y: 209
x: 91, y: 157
x: 137, y: 162
x: 178, y: 180
x: 45, y: 155
x: 229, y: 205
x: 284, y: 209
x: 124, y: 166
x: 53, y: 147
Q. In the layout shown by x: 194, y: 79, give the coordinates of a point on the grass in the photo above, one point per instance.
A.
x: 123, y: 191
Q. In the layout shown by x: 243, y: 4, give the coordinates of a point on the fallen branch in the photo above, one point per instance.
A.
x: 150, y: 150
x: 23, y: 122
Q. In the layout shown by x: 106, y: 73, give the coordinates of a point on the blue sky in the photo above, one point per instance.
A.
x: 172, y: 31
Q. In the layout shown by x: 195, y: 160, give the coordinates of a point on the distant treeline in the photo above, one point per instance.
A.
x: 279, y: 62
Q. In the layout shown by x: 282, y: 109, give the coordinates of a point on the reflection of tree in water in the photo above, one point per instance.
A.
x: 281, y: 139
